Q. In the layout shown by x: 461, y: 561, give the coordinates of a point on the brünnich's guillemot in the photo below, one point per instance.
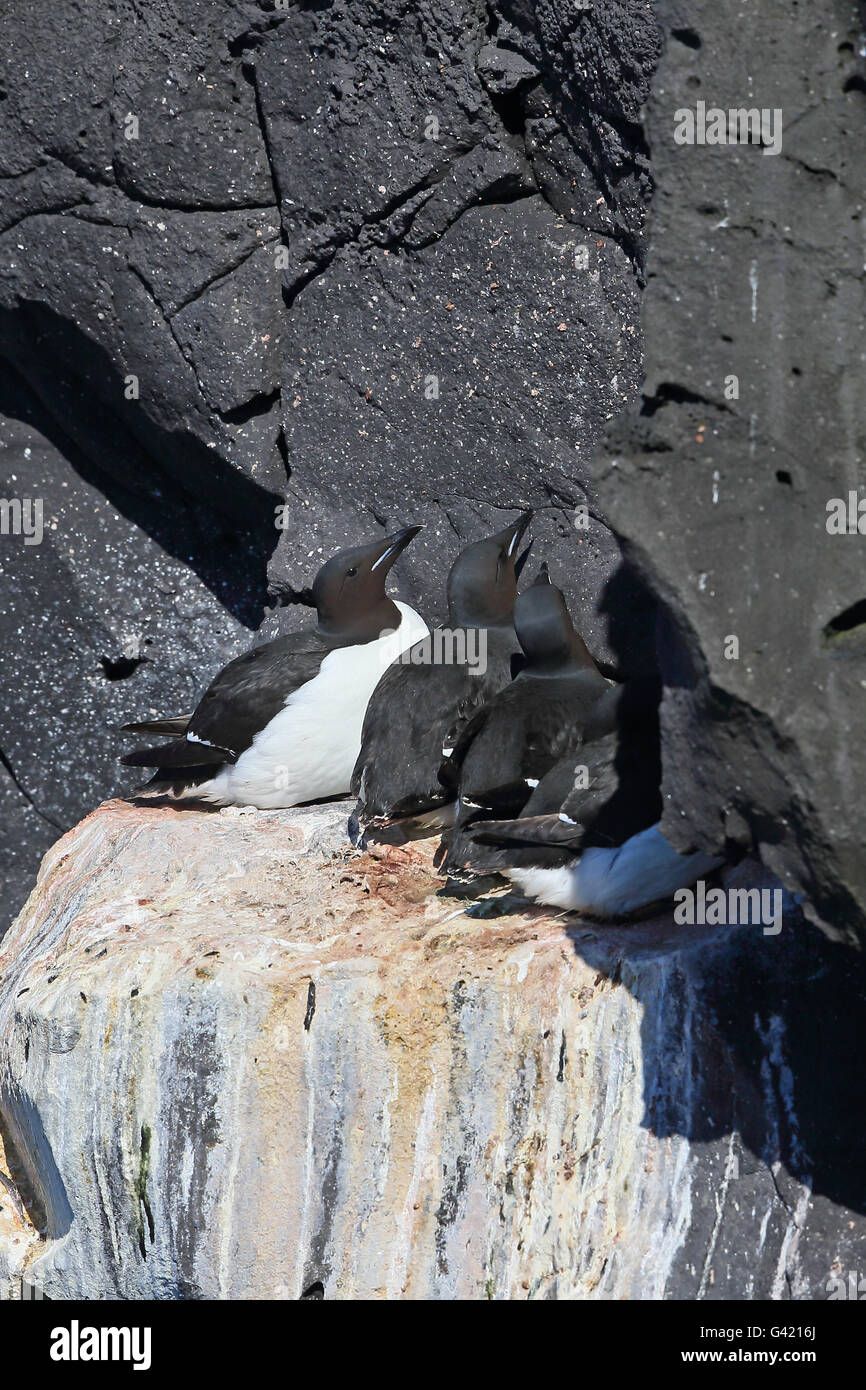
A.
x: 423, y: 701
x: 514, y: 740
x: 282, y: 724
x: 589, y: 840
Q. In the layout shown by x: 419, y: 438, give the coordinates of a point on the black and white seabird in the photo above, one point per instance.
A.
x: 515, y: 740
x: 597, y: 849
x: 424, y: 700
x: 282, y: 724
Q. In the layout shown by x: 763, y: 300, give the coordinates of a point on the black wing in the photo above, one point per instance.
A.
x: 614, y: 793
x: 526, y: 731
x: 539, y: 837
x: 177, y: 755
x: 414, y: 713
x: 239, y: 702
x: 247, y: 693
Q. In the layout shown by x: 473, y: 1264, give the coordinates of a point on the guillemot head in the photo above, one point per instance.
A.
x: 482, y: 583
x: 349, y: 590
x: 546, y: 633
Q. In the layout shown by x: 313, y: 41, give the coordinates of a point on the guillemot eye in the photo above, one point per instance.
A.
x: 350, y: 574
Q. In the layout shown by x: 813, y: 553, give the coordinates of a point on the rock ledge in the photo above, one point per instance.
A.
x: 240, y: 1060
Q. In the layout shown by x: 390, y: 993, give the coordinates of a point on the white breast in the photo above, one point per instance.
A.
x: 309, y: 749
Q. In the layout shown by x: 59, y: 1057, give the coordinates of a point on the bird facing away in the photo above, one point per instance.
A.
x: 424, y: 699
x: 281, y: 724
x: 588, y: 840
x: 514, y: 741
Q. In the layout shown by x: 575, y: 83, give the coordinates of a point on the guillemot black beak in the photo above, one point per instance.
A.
x: 513, y: 534
x: 393, y: 546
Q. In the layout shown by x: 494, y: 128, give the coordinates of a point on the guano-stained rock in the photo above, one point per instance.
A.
x: 240, y: 1060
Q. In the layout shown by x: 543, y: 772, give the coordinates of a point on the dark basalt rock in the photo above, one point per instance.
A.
x: 128, y: 604
x: 756, y: 272
x: 458, y: 399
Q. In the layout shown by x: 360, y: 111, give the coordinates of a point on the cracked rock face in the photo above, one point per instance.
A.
x: 379, y: 261
x: 314, y: 1075
x: 750, y: 424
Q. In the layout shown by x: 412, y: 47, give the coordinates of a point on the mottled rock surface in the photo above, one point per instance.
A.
x: 379, y: 260
x: 756, y: 273
x: 238, y: 1059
